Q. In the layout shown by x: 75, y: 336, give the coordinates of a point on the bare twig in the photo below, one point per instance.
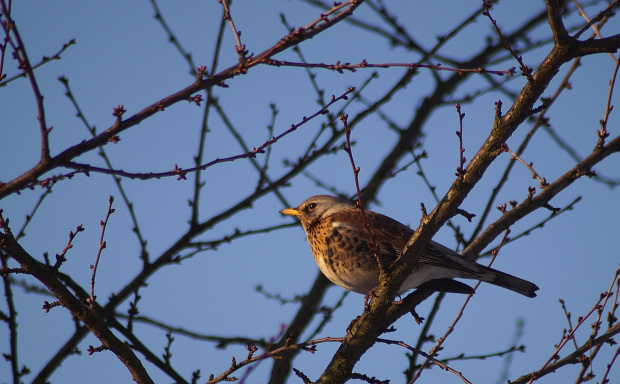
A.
x: 603, y: 134
x: 62, y: 258
x: 360, y: 203
x: 6, y: 27
x: 24, y: 63
x: 30, y: 216
x: 541, y: 180
x: 600, y: 16
x: 430, y: 357
x: 172, y: 38
x: 239, y: 48
x: 595, y: 29
x: 10, y: 319
x: 460, y: 170
x: 342, y: 67
x: 102, y: 245
x: 568, y: 320
x: 525, y: 70
x: 611, y: 364
x: 44, y: 60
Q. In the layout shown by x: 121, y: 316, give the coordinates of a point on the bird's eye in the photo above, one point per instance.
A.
x: 311, y: 206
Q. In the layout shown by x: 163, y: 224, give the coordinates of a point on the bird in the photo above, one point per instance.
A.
x: 341, y: 246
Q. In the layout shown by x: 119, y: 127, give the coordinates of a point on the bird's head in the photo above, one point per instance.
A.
x: 316, y: 207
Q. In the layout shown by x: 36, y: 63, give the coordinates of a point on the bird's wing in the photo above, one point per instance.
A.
x: 383, y: 233
x: 392, y: 236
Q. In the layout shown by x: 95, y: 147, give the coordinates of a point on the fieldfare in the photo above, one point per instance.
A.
x: 340, y: 245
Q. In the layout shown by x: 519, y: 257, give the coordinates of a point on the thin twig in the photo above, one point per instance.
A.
x: 525, y: 70
x: 535, y: 175
x: 568, y: 320
x: 172, y: 38
x: 102, y: 245
x: 24, y: 63
x: 239, y: 48
x: 611, y: 364
x: 595, y: 29
x: 4, y: 45
x: 342, y: 67
x: 603, y: 134
x: 44, y: 60
x: 10, y: 319
x: 507, y: 351
x: 600, y: 16
x: 460, y: 170
x: 439, y: 363
x: 22, y: 232
x: 62, y: 258
x: 204, y: 128
x: 360, y: 204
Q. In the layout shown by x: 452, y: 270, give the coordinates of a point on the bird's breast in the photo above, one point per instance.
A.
x: 343, y: 256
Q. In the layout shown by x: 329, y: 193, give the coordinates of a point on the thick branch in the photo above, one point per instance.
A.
x: 95, y: 324
x: 554, y: 9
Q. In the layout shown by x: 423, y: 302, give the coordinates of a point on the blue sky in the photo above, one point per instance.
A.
x: 122, y: 57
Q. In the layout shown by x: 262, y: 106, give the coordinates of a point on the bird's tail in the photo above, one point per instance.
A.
x: 504, y: 280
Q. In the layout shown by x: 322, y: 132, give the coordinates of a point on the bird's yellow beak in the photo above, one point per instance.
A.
x: 290, y: 212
